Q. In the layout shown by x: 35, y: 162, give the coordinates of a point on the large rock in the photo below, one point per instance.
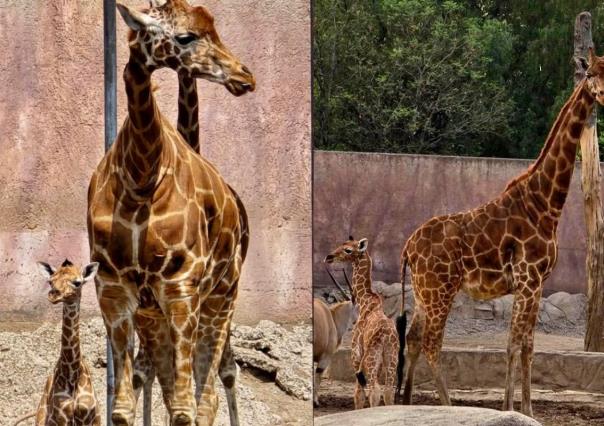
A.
x: 413, y: 415
x: 572, y: 306
x: 283, y: 355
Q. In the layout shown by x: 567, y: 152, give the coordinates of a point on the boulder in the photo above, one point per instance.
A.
x: 426, y: 416
x: 572, y: 305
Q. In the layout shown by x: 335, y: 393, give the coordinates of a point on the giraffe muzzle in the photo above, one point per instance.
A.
x: 329, y: 258
x: 54, y: 297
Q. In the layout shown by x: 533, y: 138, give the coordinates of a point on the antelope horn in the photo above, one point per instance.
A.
x: 349, y: 285
x: 337, y: 284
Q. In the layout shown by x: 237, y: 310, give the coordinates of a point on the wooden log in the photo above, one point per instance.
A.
x: 590, y: 185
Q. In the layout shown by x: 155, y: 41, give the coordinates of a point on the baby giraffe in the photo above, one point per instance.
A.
x: 375, y: 341
x: 68, y: 397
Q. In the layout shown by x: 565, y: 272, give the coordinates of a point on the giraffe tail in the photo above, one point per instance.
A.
x: 361, y: 378
x: 21, y: 419
x: 401, y: 328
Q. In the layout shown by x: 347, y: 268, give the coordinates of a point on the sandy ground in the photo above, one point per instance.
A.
x: 28, y: 353
x: 550, y: 408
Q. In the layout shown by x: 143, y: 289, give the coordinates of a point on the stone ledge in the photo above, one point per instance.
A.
x: 486, y: 368
x: 414, y: 415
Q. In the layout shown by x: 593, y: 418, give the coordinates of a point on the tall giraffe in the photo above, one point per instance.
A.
x: 375, y: 341
x: 188, y: 127
x: 168, y: 232
x: 68, y: 396
x: 506, y: 246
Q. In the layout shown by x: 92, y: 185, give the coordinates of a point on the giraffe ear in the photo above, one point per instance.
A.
x: 89, y: 271
x: 46, y: 269
x: 158, y: 3
x: 363, y: 245
x: 136, y: 20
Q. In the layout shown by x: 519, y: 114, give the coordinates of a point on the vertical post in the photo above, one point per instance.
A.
x: 110, y: 58
x: 590, y: 185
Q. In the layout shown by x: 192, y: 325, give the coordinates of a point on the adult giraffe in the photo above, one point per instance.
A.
x: 168, y: 232
x: 506, y: 246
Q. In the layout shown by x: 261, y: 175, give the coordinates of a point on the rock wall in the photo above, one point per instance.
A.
x: 385, y: 197
x: 51, y: 116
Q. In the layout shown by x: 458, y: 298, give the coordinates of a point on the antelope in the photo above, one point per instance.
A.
x: 330, y: 323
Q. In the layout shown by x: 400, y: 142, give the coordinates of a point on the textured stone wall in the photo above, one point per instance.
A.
x: 51, y: 127
x: 385, y: 197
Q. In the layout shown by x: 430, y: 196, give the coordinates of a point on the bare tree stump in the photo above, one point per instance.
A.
x: 590, y: 184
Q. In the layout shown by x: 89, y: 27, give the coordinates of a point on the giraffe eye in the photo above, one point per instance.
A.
x: 348, y: 251
x: 76, y: 283
x: 185, y: 39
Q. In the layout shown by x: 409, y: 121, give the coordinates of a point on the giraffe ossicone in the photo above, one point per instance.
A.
x: 375, y: 340
x: 506, y: 246
x: 169, y: 233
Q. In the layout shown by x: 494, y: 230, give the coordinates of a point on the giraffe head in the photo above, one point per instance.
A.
x: 348, y: 251
x: 66, y: 281
x: 594, y: 73
x: 176, y: 35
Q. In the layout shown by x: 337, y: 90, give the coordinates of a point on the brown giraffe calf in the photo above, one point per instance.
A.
x: 69, y: 397
x: 506, y: 246
x: 377, y: 346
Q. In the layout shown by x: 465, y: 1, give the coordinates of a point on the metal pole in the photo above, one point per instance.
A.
x: 110, y: 134
x: 110, y: 55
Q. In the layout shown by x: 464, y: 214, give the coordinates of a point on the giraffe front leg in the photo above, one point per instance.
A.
x: 181, y: 304
x: 42, y: 411
x: 526, y: 356
x: 214, y: 328
x: 155, y: 356
x: 118, y: 303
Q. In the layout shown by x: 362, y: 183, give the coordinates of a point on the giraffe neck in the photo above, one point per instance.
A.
x: 69, y: 361
x: 548, y: 179
x: 364, y: 295
x: 141, y: 145
x: 188, y: 111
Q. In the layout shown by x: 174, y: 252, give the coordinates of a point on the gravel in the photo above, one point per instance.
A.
x: 28, y: 357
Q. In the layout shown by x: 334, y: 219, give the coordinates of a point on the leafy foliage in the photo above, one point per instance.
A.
x: 481, y: 78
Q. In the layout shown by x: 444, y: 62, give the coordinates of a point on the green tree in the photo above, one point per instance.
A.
x: 477, y: 77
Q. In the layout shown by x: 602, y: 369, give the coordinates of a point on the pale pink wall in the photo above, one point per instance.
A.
x: 51, y: 138
x: 385, y: 197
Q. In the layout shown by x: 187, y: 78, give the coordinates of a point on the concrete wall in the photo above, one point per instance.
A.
x: 51, y: 138
x: 385, y: 197
x: 554, y: 370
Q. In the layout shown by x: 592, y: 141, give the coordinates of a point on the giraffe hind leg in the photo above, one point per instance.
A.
x: 370, y: 366
x: 389, y: 364
x: 228, y: 372
x: 414, y: 346
x: 214, y: 328
x: 432, y: 343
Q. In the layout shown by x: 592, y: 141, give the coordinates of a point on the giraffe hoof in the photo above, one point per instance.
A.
x: 121, y: 419
x: 182, y: 419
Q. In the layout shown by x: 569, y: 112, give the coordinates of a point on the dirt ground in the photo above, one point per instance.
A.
x: 549, y: 408
x: 28, y: 353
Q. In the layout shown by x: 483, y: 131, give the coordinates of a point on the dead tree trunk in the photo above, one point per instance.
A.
x: 590, y: 184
